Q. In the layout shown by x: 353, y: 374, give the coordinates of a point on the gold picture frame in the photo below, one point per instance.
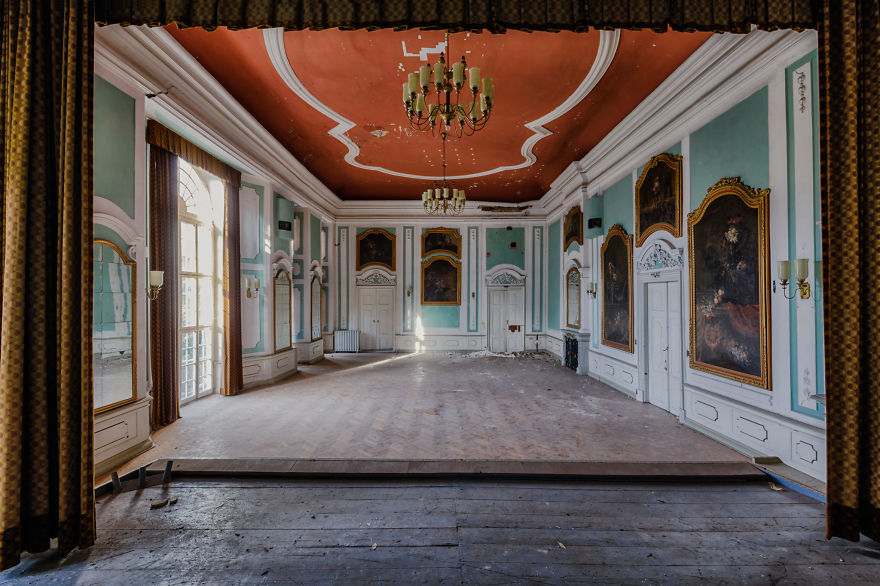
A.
x: 730, y: 305
x: 132, y: 265
x: 657, y: 190
x: 435, y: 288
x: 573, y: 227
x: 370, y: 254
x: 447, y: 235
x: 617, y: 283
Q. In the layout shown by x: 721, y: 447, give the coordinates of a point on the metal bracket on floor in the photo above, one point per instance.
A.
x: 135, y: 480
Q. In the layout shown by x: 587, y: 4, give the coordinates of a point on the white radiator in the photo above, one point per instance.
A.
x: 345, y: 341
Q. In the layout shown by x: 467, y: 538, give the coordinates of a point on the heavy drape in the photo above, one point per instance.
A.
x: 46, y: 423
x: 165, y: 310
x: 849, y: 61
x: 232, y: 368
x: 160, y: 136
x: 456, y: 15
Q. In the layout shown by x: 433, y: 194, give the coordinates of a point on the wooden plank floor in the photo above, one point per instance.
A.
x: 458, y: 532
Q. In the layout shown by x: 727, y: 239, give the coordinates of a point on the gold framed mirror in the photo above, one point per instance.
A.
x: 573, y: 298
x: 114, y: 327
x: 283, y: 314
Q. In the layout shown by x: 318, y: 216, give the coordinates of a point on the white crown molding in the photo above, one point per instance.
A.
x: 726, y: 69
x: 151, y: 59
x: 109, y: 214
x: 274, y: 40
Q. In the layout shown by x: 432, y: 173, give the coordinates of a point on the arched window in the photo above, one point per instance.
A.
x: 201, y: 255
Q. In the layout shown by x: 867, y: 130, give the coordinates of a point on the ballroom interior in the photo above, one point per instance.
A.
x: 561, y: 269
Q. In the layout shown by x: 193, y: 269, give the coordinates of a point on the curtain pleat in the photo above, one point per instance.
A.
x: 849, y: 79
x: 160, y: 136
x: 232, y: 368
x: 164, y: 256
x: 46, y: 420
x: 459, y: 15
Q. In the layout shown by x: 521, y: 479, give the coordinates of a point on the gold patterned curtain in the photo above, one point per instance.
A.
x: 475, y: 15
x: 849, y: 65
x: 46, y: 423
x: 165, y: 310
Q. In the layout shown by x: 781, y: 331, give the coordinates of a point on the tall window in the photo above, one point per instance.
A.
x: 201, y: 254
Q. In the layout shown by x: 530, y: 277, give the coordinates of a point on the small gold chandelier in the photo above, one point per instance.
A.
x: 444, y: 198
x: 459, y: 118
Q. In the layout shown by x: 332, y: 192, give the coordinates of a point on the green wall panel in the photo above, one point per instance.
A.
x: 594, y: 208
x: 283, y: 211
x: 554, y: 247
x: 315, y: 238
x: 440, y: 316
x: 102, y: 232
x: 618, y: 205
x: 498, y: 250
x: 114, y: 144
x: 735, y: 144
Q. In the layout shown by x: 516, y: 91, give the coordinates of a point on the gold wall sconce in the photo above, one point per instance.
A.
x: 252, y: 287
x: 801, y: 272
x: 591, y: 289
x: 157, y: 279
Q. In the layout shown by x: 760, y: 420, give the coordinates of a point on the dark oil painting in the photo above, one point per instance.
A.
x: 658, y: 199
x: 375, y: 247
x: 617, y: 291
x: 441, y: 282
x: 441, y: 240
x: 573, y: 227
x: 726, y: 287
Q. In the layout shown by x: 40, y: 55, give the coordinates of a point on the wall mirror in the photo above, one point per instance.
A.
x: 113, y: 328
x: 573, y: 298
x: 316, y: 308
x: 282, y: 311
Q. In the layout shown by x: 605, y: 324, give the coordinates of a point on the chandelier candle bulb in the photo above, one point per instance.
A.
x: 439, y: 70
x: 474, y: 78
x: 483, y: 106
x: 413, y: 80
x: 783, y: 269
x: 445, y: 193
x: 420, y: 103
x: 424, y: 76
x: 802, y: 269
x: 458, y: 73
x: 406, y: 96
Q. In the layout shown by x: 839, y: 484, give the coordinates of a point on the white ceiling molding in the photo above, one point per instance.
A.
x: 151, y: 59
x: 726, y: 69
x: 274, y: 39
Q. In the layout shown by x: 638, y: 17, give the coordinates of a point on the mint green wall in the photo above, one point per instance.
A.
x: 594, y: 208
x: 672, y: 150
x: 735, y: 144
x: 618, y: 205
x: 102, y: 232
x: 315, y: 238
x: 112, y: 291
x: 440, y: 316
x: 817, y: 291
x: 283, y: 211
x: 114, y: 142
x: 498, y: 249
x: 554, y: 248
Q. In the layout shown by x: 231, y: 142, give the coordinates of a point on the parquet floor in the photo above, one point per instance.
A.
x: 458, y: 532
x: 433, y: 406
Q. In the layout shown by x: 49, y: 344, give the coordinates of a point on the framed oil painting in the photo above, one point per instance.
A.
x: 617, y: 289
x: 441, y: 240
x: 375, y: 247
x: 573, y: 227
x: 658, y: 197
x: 441, y: 281
x: 729, y: 280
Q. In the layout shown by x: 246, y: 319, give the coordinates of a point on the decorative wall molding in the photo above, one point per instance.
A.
x: 376, y: 278
x: 280, y: 259
x: 505, y: 275
x: 274, y: 40
x: 111, y: 215
x: 660, y: 256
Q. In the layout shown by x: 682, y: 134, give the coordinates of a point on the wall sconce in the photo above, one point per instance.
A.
x: 157, y: 279
x: 801, y: 272
x: 251, y: 293
x: 590, y: 288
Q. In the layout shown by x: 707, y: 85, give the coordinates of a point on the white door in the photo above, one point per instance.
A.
x: 506, y: 319
x: 664, y: 346
x: 376, y: 318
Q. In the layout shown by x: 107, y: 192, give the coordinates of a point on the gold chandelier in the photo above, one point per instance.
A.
x: 458, y: 118
x: 444, y: 198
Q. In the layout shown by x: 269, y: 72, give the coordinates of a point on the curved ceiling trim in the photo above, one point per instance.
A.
x: 274, y: 40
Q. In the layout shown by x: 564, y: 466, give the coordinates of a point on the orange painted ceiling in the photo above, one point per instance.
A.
x: 359, y: 75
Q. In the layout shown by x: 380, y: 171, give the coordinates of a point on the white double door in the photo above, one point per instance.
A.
x: 664, y: 346
x: 506, y: 319
x: 376, y: 318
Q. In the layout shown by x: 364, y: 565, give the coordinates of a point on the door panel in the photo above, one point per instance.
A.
x: 367, y: 318
x: 658, y: 345
x: 385, y: 319
x: 515, y: 317
x: 497, y: 321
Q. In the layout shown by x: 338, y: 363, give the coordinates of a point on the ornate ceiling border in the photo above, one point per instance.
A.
x: 274, y: 39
